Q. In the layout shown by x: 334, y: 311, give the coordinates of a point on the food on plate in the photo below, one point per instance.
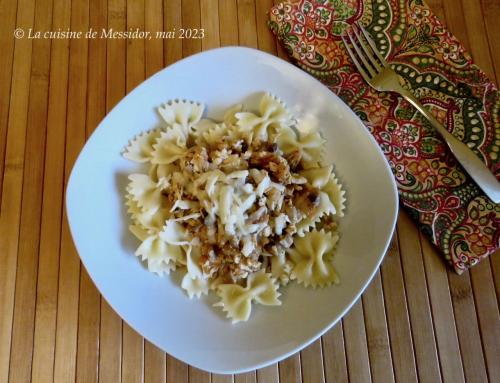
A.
x: 242, y: 205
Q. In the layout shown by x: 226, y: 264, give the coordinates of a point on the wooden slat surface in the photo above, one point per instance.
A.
x: 417, y: 321
x: 110, y: 331
x: 69, y: 264
x: 48, y: 264
x: 89, y: 312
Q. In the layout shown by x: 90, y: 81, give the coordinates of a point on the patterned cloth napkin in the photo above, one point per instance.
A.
x: 460, y: 220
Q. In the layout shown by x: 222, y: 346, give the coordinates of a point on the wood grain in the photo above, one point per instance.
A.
x: 443, y: 315
x: 172, y: 21
x: 153, y: 22
x: 488, y: 317
x: 265, y: 39
x: 154, y: 364
x: 495, y: 269
x: 191, y: 20
x: 69, y: 263
x: 491, y: 14
x: 110, y: 333
x: 228, y: 27
x: 216, y: 378
x: 312, y: 363
x: 89, y: 311
x: 247, y: 23
x: 30, y: 221
x: 110, y: 345
x: 467, y: 326
x: 8, y: 16
x: 334, y: 358
x: 198, y: 376
x: 418, y: 301
x: 133, y: 343
x: 290, y: 370
x: 13, y: 181
x: 177, y: 372
x: 455, y: 20
x: 377, y: 335
x: 154, y: 358
x: 417, y: 321
x: 356, y: 345
x: 268, y: 374
x: 48, y: 264
x: 12, y: 191
x: 248, y: 377
x: 209, y: 21
x: 397, y: 315
x: 476, y: 33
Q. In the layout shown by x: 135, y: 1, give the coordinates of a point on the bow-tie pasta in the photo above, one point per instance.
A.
x: 194, y: 282
x: 311, y: 256
x: 141, y: 148
x: 243, y: 205
x: 236, y: 300
x: 181, y: 114
x: 272, y: 117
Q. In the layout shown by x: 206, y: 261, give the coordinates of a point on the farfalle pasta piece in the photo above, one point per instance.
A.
x: 194, y: 287
x: 161, y: 268
x: 317, y: 177
x: 144, y: 192
x: 193, y: 256
x: 272, y: 114
x: 149, y: 220
x: 308, y: 145
x: 236, y: 300
x: 174, y: 234
x: 230, y: 114
x: 264, y: 289
x: 311, y: 257
x: 161, y: 256
x: 184, y: 113
x: 193, y: 281
x: 140, y: 232
x: 217, y: 134
x: 169, y: 147
x: 324, y: 207
x: 158, y: 171
x: 281, y: 268
x: 200, y: 128
x: 336, y: 194
x: 140, y: 148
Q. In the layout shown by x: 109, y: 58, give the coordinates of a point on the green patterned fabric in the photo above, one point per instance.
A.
x: 459, y: 219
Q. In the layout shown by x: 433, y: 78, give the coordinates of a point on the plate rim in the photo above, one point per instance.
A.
x: 237, y: 50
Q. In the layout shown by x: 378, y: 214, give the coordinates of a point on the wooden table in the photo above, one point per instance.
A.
x: 416, y: 321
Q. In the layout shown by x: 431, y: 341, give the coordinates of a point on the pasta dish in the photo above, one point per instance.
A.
x: 242, y: 205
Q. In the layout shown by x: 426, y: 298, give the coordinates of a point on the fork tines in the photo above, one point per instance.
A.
x: 363, y: 52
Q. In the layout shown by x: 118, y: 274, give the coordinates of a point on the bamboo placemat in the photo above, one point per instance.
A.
x: 416, y: 321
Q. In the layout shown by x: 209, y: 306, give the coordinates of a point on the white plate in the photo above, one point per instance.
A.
x: 192, y: 330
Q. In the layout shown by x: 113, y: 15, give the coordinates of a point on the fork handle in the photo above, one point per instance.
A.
x: 476, y: 168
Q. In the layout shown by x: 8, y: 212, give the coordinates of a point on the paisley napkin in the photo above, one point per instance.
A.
x: 459, y: 219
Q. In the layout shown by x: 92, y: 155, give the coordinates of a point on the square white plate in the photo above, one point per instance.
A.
x: 192, y: 330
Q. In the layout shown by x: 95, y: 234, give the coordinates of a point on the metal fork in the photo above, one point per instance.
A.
x: 378, y: 74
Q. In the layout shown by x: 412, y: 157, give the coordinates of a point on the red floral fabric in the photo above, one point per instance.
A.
x: 459, y: 219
